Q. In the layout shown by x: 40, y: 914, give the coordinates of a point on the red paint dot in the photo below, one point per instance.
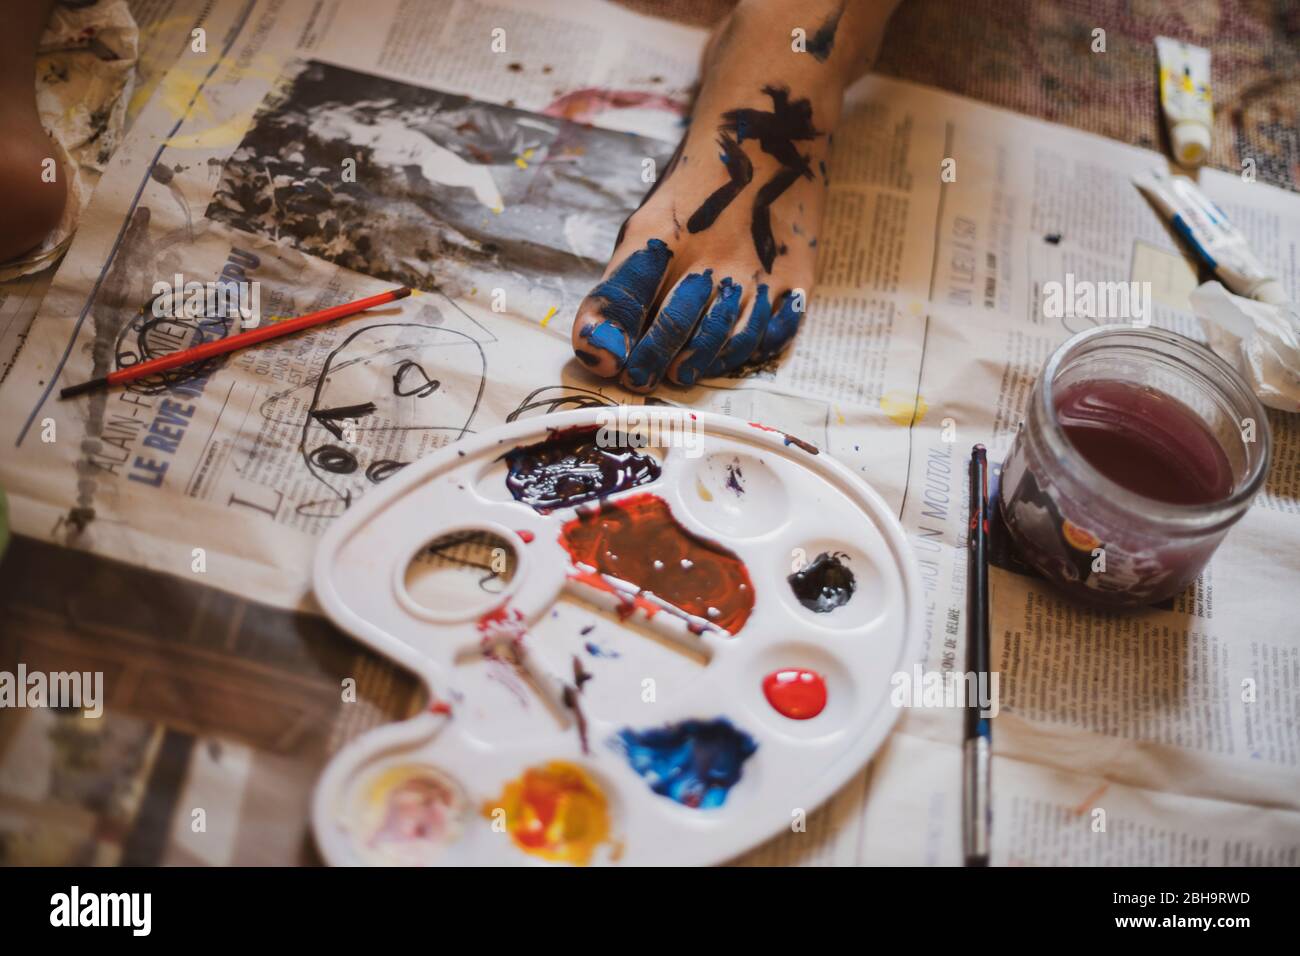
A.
x: 526, y: 536
x: 797, y: 694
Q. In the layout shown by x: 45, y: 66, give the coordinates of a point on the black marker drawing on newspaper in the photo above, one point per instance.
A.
x: 390, y: 393
x: 558, y: 398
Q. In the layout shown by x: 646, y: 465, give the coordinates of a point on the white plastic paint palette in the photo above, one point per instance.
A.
x: 609, y: 624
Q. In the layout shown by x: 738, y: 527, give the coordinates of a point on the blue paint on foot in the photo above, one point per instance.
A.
x: 737, y: 350
x: 670, y: 330
x: 608, y: 337
x: 784, y: 324
x: 626, y: 296
x: 714, y: 328
x: 695, y: 762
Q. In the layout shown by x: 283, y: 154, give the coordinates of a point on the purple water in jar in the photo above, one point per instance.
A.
x: 1139, y: 450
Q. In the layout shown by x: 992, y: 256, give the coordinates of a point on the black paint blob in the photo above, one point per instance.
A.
x: 825, y: 584
x: 571, y: 467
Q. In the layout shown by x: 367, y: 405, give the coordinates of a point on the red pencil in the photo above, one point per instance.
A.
x: 232, y: 342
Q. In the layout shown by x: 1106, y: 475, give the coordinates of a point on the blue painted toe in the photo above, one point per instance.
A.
x: 737, y: 350
x: 714, y: 328
x: 670, y: 330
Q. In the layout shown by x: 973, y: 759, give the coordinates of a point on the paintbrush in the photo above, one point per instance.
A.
x: 978, y: 745
x: 232, y: 343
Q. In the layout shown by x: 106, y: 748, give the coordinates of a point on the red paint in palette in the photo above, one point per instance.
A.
x: 795, y: 693
x: 637, y: 542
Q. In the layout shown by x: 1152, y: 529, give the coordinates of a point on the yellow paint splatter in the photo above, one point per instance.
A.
x: 168, y: 30
x: 549, y: 312
x: 839, y: 416
x: 902, y: 408
x: 229, y: 133
x: 181, y: 93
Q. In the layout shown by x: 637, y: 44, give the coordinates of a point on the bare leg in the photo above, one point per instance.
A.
x: 32, y: 205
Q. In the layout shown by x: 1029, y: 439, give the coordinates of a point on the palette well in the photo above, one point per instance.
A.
x: 633, y: 654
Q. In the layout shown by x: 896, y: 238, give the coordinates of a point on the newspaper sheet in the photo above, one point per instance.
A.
x: 498, y: 147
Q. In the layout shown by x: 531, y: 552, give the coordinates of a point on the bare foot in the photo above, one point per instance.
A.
x: 32, y: 204
x: 714, y: 270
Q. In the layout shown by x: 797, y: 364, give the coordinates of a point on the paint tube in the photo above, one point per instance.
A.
x: 1216, y: 240
x: 1185, y: 99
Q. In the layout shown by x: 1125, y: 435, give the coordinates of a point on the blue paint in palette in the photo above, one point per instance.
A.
x: 626, y: 297
x: 695, y: 762
x: 670, y: 329
x: 712, y: 333
x: 737, y: 350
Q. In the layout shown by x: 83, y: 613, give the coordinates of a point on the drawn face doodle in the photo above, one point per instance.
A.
x: 388, y: 395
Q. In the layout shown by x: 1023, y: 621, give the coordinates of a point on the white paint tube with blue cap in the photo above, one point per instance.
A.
x: 1213, y: 237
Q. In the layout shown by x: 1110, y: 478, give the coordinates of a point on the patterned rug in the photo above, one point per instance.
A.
x: 1035, y: 56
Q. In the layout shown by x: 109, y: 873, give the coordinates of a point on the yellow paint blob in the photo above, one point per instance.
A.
x: 555, y: 811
